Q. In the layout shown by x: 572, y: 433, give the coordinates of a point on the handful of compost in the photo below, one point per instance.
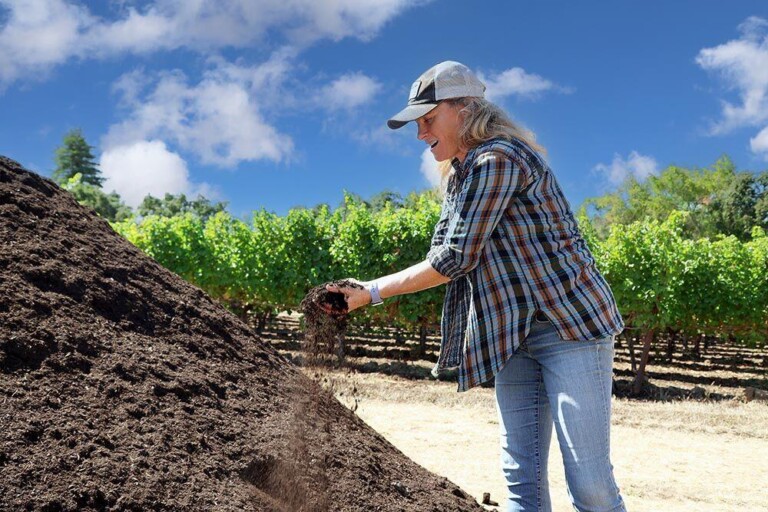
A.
x: 325, y: 320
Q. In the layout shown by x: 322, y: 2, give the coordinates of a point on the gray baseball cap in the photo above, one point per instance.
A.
x: 446, y: 80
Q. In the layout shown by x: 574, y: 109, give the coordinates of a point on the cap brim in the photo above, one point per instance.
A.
x: 408, y: 114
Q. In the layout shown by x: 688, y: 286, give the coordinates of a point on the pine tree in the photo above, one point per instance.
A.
x: 75, y: 156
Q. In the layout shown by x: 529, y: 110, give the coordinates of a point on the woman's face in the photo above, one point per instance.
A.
x: 439, y: 128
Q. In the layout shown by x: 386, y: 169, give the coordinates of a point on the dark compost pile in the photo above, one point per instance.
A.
x: 122, y: 387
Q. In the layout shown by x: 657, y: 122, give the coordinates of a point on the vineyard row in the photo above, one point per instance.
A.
x: 663, y: 281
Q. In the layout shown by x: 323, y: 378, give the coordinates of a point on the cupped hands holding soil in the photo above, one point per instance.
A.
x: 325, y: 320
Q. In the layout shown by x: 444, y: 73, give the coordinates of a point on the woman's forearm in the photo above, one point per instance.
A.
x: 413, y: 279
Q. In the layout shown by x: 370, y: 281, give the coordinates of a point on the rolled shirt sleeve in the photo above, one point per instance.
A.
x: 491, y: 183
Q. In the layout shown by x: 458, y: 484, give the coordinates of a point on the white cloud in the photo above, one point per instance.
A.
x: 223, y: 118
x: 743, y: 65
x: 754, y: 27
x: 347, y: 92
x: 430, y: 168
x: 336, y: 19
x: 637, y: 165
x: 516, y: 81
x: 759, y: 143
x: 219, y: 119
x: 379, y: 136
x: 147, y: 167
x: 129, y: 86
x: 39, y: 34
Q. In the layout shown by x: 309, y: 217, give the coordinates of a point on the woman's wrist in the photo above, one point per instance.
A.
x: 373, y: 291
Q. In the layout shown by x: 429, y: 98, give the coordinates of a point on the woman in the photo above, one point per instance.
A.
x: 524, y: 302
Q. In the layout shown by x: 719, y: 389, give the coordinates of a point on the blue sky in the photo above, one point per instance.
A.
x: 282, y: 103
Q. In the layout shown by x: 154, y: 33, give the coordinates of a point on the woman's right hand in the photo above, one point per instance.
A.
x: 355, y: 296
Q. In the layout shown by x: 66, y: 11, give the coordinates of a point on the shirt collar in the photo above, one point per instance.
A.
x: 461, y: 168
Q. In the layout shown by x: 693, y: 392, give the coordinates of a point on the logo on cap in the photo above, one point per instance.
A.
x: 414, y: 90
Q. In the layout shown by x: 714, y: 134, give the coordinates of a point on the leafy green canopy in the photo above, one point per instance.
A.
x: 719, y: 201
x: 109, y: 206
x: 173, y: 205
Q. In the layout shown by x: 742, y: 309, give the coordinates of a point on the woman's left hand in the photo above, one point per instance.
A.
x: 355, y: 297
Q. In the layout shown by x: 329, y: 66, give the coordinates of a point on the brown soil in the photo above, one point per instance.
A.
x: 122, y: 387
x: 324, y: 330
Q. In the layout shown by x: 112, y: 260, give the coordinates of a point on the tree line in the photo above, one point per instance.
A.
x: 77, y: 171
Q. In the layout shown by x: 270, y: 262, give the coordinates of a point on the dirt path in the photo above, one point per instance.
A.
x: 676, y: 456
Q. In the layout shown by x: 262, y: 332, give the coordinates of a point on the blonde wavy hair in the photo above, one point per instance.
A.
x: 483, y: 121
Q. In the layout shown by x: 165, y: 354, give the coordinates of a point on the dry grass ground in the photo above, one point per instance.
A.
x: 668, y: 456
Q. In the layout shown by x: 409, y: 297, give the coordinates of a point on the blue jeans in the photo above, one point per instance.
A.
x: 568, y: 382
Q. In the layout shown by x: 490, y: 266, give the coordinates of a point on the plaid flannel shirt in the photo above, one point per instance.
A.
x: 509, y: 242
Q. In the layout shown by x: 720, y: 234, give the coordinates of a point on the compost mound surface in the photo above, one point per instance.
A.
x: 122, y: 387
